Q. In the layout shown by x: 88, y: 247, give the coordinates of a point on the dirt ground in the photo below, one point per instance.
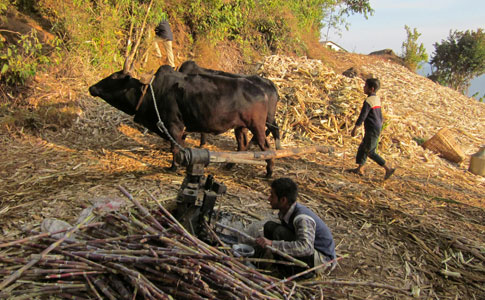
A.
x: 411, y: 231
x: 422, y: 230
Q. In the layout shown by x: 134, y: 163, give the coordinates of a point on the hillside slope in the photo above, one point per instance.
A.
x: 421, y: 231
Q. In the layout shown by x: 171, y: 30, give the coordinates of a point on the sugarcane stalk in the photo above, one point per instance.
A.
x: 72, y: 297
x: 357, y: 283
x: 185, y: 295
x: 87, y: 261
x: 139, y: 286
x: 238, y: 285
x: 292, y: 291
x: 175, y: 281
x: 266, y: 260
x: 58, y: 283
x: 91, y: 286
x: 19, y: 272
x: 45, y: 234
x: 99, y: 282
x: 90, y: 242
x: 53, y: 276
x: 274, y: 250
x: 49, y: 271
x: 141, y: 280
x: 144, y: 226
x: 324, y: 264
x: 214, y: 236
x: 64, y: 264
x: 181, y: 229
x: 119, y: 286
x: 251, y: 286
x: 31, y: 293
x: 142, y: 209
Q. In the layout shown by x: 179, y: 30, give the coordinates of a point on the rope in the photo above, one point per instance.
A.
x: 160, y: 124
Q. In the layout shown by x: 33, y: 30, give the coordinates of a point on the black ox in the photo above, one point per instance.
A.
x: 190, y: 103
x: 268, y: 87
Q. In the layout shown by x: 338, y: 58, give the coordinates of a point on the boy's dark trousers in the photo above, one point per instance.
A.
x: 277, y: 232
x: 368, y: 147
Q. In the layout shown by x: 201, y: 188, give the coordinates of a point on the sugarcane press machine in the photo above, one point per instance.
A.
x: 198, y: 193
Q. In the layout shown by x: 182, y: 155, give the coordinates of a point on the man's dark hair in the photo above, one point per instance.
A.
x: 285, y: 187
x: 373, y: 83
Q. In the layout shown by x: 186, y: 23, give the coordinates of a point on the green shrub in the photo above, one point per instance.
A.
x: 413, y: 53
x: 21, y: 61
x: 4, y: 5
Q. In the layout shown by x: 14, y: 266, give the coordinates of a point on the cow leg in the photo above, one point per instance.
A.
x: 241, y: 138
x: 242, y: 142
x: 275, y: 132
x: 264, y: 145
x: 203, y: 140
x: 244, y: 138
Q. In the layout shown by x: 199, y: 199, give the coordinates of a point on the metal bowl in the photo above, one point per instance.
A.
x: 243, y: 250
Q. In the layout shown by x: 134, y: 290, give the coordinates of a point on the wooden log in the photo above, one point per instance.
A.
x: 191, y: 156
x: 243, y: 156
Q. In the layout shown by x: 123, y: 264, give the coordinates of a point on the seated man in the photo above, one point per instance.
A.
x: 301, y: 234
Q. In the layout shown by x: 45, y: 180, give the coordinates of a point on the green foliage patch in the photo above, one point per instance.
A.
x: 21, y: 61
x: 100, y: 33
x: 413, y: 53
x: 460, y: 58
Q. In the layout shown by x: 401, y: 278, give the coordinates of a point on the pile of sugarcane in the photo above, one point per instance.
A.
x: 142, y: 254
x: 315, y: 101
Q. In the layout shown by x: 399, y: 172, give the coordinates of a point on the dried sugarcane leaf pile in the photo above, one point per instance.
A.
x: 321, y: 105
x: 316, y: 102
x: 139, y: 255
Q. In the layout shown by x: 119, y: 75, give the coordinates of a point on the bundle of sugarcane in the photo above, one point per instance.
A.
x: 143, y: 254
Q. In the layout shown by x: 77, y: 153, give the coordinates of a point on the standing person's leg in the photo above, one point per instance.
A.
x: 168, y: 49
x: 374, y: 140
x: 361, y: 156
x: 157, y: 48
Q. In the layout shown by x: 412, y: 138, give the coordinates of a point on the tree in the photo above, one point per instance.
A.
x: 413, y: 54
x: 459, y: 59
x: 336, y: 11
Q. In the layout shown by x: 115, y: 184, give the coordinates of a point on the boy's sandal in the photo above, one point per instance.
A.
x: 389, y: 174
x: 355, y: 171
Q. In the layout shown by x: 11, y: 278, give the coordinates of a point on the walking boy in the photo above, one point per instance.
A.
x: 371, y: 116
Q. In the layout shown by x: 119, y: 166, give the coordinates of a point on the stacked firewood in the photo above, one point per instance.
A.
x: 143, y: 254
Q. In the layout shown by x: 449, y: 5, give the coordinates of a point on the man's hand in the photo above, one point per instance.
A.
x: 354, y: 131
x: 263, y: 242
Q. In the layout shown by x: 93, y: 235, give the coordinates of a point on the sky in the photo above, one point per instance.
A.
x: 432, y: 18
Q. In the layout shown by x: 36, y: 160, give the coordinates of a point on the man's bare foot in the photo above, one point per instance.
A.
x: 355, y: 171
x: 389, y: 173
